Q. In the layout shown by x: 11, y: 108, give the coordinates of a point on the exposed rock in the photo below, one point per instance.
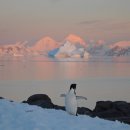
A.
x: 24, y: 101
x: 84, y: 111
x: 1, y: 98
x: 59, y: 107
x: 41, y: 100
x: 123, y: 107
x: 120, y: 107
x: 109, y: 113
x: 103, y: 106
x: 118, y: 110
x: 36, y: 97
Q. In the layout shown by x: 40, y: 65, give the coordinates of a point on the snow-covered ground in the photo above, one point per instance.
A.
x: 16, y: 116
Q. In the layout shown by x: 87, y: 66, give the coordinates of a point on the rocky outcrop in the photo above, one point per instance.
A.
x: 1, y: 98
x: 41, y: 100
x: 84, y: 111
x: 118, y: 110
x: 44, y: 101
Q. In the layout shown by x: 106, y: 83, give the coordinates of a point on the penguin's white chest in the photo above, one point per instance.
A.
x: 71, y: 103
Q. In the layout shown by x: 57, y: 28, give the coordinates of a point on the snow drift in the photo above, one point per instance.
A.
x: 16, y: 116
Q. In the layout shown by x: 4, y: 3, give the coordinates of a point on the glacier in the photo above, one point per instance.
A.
x: 69, y: 49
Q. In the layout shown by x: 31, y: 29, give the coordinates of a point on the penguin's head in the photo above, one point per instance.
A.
x: 73, y: 86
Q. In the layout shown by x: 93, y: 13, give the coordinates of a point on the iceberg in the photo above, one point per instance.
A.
x: 69, y: 49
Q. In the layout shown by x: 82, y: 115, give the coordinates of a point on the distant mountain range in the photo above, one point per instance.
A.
x: 17, y: 49
x: 71, y: 46
x: 118, y: 51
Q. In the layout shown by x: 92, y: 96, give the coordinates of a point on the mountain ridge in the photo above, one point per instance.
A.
x: 47, y: 45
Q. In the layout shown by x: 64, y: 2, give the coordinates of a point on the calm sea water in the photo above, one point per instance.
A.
x: 96, y: 78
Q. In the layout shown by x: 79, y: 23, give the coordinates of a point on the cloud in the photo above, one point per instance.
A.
x: 88, y: 22
x: 113, y: 26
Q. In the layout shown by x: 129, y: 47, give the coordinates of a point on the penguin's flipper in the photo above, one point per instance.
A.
x: 81, y: 97
x: 63, y: 95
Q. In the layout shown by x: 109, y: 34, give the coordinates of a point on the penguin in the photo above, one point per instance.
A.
x: 71, y: 100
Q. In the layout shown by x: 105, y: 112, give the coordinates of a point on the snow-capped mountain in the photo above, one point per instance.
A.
x: 119, y: 49
x: 71, y: 46
x: 78, y: 41
x: 17, y: 49
x: 122, y: 44
x: 69, y: 49
x: 97, y: 49
x: 42, y: 46
x: 45, y: 44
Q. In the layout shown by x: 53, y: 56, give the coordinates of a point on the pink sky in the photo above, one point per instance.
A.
x: 91, y: 20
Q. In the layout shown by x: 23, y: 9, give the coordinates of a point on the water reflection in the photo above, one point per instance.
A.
x: 43, y: 68
x: 97, y: 78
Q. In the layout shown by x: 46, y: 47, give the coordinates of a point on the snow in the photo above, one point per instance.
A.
x: 69, y: 49
x: 19, y: 116
x: 72, y: 46
x: 74, y: 39
x: 17, y: 49
x: 97, y: 49
x: 45, y: 44
x: 123, y: 44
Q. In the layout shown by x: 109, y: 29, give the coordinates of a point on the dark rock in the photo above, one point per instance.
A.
x: 103, y: 106
x: 119, y: 110
x: 59, y: 107
x: 109, y: 106
x: 1, y: 98
x: 123, y: 107
x: 112, y: 113
x: 84, y: 111
x: 24, y: 101
x: 37, y: 97
x: 41, y: 100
